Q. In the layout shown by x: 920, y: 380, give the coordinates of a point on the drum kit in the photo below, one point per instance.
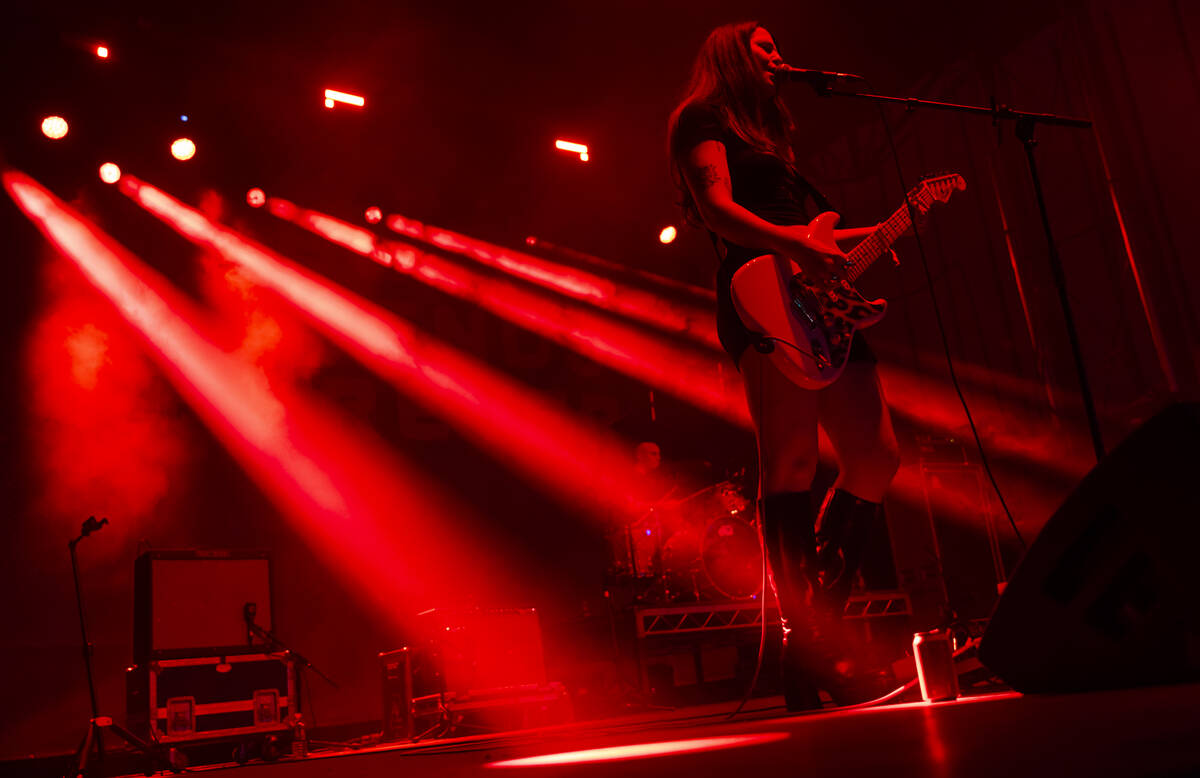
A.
x: 699, y: 548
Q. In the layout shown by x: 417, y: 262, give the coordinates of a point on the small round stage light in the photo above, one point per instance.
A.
x: 102, y: 52
x: 183, y: 149
x: 668, y: 234
x: 374, y: 215
x: 328, y: 102
x: 583, y: 156
x: 183, y: 117
x: 256, y: 197
x: 110, y: 173
x: 54, y: 127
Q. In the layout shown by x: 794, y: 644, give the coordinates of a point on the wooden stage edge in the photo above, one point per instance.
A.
x: 1149, y: 731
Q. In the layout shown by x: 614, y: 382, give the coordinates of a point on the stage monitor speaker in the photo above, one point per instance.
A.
x: 1108, y: 596
x: 192, y: 602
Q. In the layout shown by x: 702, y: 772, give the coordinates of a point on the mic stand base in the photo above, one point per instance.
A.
x: 90, y: 755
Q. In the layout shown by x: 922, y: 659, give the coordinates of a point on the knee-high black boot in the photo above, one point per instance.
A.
x: 847, y: 528
x: 787, y: 525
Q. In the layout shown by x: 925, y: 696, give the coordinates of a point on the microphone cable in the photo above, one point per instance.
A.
x: 937, y: 312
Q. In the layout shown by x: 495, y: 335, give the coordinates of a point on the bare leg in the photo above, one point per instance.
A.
x: 785, y: 418
x: 854, y: 415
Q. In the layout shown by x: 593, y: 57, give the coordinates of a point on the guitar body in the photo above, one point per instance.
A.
x: 811, y: 325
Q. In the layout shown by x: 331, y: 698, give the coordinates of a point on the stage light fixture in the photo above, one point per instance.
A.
x: 374, y: 215
x: 183, y: 117
x: 256, y: 197
x: 574, y: 148
x: 54, y: 127
x: 110, y: 173
x: 668, y: 234
x: 183, y: 149
x: 333, y: 96
x: 102, y: 52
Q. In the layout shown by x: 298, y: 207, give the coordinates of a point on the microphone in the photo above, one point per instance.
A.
x: 249, y: 610
x: 89, y: 526
x: 818, y: 79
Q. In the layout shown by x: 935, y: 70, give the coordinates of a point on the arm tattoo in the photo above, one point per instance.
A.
x: 709, y: 177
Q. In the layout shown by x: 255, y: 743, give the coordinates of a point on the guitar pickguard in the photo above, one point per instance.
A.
x: 831, y: 314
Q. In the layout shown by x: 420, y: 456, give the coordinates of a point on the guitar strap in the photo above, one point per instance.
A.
x: 719, y: 246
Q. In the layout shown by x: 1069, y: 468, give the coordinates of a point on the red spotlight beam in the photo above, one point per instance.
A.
x: 702, y: 379
x: 343, y: 488
x: 706, y: 297
x: 1006, y: 427
x: 677, y: 318
x: 696, y: 375
x: 699, y: 378
x: 523, y: 429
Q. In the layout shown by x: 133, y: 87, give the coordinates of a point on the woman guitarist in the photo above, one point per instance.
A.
x: 734, y: 165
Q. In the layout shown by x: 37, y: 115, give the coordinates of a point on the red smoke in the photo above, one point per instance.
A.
x: 104, y: 427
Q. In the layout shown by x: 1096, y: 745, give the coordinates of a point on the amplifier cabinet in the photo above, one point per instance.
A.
x: 396, y: 675
x: 210, y: 697
x: 194, y: 602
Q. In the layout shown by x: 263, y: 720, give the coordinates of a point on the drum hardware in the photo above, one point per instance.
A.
x: 701, y: 547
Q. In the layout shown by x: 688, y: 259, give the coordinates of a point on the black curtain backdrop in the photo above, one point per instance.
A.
x: 465, y: 110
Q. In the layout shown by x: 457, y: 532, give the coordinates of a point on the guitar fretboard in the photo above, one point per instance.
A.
x: 873, y: 246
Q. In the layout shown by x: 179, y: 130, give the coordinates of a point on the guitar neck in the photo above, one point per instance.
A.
x: 874, y: 245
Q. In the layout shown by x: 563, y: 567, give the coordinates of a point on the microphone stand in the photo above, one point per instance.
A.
x: 1025, y: 123
x: 275, y: 644
x: 93, y: 741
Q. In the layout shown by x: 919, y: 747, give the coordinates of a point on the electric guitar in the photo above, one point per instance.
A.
x: 807, y: 325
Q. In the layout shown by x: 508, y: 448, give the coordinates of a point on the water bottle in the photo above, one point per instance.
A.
x: 299, y: 739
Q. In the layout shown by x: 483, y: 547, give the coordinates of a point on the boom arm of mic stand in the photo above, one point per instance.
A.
x: 996, y: 112
x: 1025, y: 123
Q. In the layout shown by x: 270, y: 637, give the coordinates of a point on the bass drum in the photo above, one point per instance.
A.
x: 731, y: 558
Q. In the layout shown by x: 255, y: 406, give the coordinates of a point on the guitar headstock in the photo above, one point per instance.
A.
x: 936, y: 189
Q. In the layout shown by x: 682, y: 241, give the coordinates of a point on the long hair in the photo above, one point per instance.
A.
x: 724, y: 76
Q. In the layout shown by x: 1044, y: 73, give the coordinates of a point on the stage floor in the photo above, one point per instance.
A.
x: 1154, y: 731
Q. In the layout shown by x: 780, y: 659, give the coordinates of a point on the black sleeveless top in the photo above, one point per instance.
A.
x: 763, y: 184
